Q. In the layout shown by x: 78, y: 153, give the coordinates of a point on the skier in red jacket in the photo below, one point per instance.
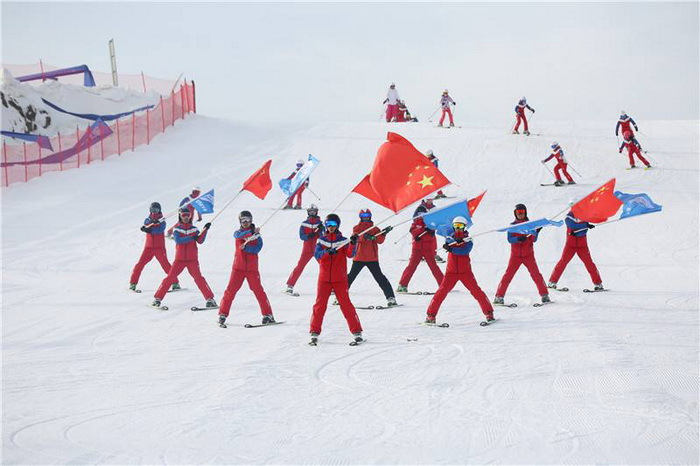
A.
x: 633, y: 148
x: 368, y: 254
x: 522, y: 252
x: 309, y: 231
x: 424, y: 247
x: 154, y: 247
x: 520, y: 116
x: 187, y: 202
x: 245, y: 267
x: 187, y: 236
x: 459, y: 245
x: 558, y: 154
x: 332, y: 252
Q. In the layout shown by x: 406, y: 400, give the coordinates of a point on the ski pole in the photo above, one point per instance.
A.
x: 401, y: 238
x: 313, y: 193
x: 431, y: 115
x: 575, y: 171
x: 550, y: 171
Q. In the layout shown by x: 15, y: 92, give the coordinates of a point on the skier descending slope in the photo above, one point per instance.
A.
x: 154, y: 247
x: 576, y: 244
x: 522, y: 253
x: 332, y: 252
x: 368, y: 254
x: 558, y: 154
x: 424, y: 247
x: 625, y: 123
x: 633, y: 147
x: 245, y: 267
x: 187, y: 236
x: 309, y: 232
x: 459, y: 245
x: 520, y: 116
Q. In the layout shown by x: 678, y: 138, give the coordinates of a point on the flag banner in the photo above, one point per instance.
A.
x: 204, y: 203
x: 599, y: 205
x: 528, y: 228
x: 474, y: 203
x: 440, y: 220
x: 259, y: 182
x: 290, y: 186
x: 400, y: 176
x: 636, y: 204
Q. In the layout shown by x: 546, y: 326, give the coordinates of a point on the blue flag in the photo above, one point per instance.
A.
x: 204, y: 203
x: 440, y: 220
x: 289, y: 187
x: 528, y: 228
x: 636, y: 204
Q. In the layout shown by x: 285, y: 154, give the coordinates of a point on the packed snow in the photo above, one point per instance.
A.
x: 93, y: 375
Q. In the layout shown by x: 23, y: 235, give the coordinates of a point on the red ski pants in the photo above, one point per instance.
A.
x: 513, y: 265
x: 146, y: 256
x: 193, y: 269
x: 297, y: 194
x: 392, y: 112
x: 631, y: 151
x: 307, y: 253
x: 567, y: 255
x: 234, y: 284
x: 341, y: 294
x: 518, y: 119
x: 449, y: 282
x: 447, y: 111
x: 561, y: 166
x: 414, y: 260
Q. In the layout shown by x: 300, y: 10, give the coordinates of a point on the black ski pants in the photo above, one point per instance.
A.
x: 377, y: 273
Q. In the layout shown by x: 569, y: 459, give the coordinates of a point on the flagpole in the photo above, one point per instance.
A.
x: 341, y: 202
x: 309, y: 189
x: 226, y: 205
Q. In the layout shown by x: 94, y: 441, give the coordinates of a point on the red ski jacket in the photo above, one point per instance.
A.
x: 423, y: 237
x: 333, y: 267
x: 186, y: 238
x: 458, y: 261
x: 521, y: 245
x: 367, y: 249
x: 246, y: 259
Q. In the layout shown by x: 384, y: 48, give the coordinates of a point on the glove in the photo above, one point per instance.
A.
x: 542, y: 161
x: 332, y: 251
x: 387, y: 230
x: 522, y: 239
x: 207, y: 225
x: 454, y: 103
x: 252, y: 226
x: 353, y: 239
x: 636, y: 129
x: 591, y: 226
x: 416, y: 238
x: 385, y: 101
x: 620, y: 151
x: 368, y: 237
x: 533, y: 110
x: 145, y: 229
x: 447, y: 247
x: 538, y: 229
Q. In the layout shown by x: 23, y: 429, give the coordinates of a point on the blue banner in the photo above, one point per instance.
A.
x: 528, y: 228
x: 204, y: 203
x: 440, y: 220
x: 636, y: 204
x: 290, y: 186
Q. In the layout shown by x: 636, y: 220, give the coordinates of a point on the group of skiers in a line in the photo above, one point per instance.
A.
x: 323, y: 240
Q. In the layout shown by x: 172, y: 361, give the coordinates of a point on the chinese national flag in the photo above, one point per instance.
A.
x: 259, y: 182
x: 598, y: 206
x: 401, y: 175
x: 474, y: 203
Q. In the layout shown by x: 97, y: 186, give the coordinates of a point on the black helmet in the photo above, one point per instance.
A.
x: 420, y: 210
x: 155, y: 208
x: 332, y: 218
x: 520, y: 207
x: 245, y: 214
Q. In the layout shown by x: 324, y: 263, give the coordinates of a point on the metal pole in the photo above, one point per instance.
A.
x: 113, y: 60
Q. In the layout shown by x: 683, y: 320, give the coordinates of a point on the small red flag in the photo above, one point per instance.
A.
x: 598, y: 206
x: 472, y: 204
x: 401, y: 175
x: 259, y: 182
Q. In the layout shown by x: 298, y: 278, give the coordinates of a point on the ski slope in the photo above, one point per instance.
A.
x: 93, y: 375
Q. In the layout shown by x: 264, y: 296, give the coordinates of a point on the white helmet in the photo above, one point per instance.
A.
x: 524, y: 99
x: 429, y: 152
x: 460, y: 219
x: 445, y: 91
x: 300, y: 162
x: 197, y: 188
x: 572, y: 202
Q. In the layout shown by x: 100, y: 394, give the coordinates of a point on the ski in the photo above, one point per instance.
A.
x: 441, y: 325
x: 586, y: 290
x: 447, y: 127
x: 444, y: 197
x: 562, y: 289
x: 195, y: 308
x: 417, y: 293
x: 263, y: 325
x: 160, y: 308
x: 484, y: 323
x: 542, y: 304
x: 134, y: 291
x: 380, y: 306
x: 506, y: 304
x: 293, y: 293
x: 358, y: 341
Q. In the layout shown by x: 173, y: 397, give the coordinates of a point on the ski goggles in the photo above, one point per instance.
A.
x: 521, y: 211
x: 331, y: 223
x: 459, y: 226
x: 185, y: 213
x: 245, y: 220
x: 365, y: 215
x: 155, y: 210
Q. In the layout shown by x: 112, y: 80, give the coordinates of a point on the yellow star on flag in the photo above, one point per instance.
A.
x: 426, y: 181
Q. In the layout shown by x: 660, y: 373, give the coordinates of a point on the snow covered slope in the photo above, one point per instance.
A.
x: 92, y: 375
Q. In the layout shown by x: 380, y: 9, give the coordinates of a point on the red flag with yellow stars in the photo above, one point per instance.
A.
x: 474, y: 203
x: 401, y: 175
x: 259, y: 182
x: 598, y: 206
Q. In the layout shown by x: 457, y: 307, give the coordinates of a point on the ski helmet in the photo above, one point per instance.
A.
x: 420, y: 210
x: 555, y: 145
x: 392, y: 85
x: 523, y: 100
x: 332, y: 220
x: 520, y: 208
x: 366, y: 215
x: 312, y: 210
x: 196, y: 189
x: 445, y: 91
x: 300, y: 163
x: 429, y: 153
x: 155, y: 208
x: 184, y: 211
x: 459, y: 222
x: 245, y: 215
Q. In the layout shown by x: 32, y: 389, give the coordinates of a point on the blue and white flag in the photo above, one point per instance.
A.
x: 289, y: 187
x: 528, y: 228
x: 636, y: 204
x: 204, y: 203
x: 440, y: 220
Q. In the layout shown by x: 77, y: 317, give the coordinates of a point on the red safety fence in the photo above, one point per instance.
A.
x: 22, y: 162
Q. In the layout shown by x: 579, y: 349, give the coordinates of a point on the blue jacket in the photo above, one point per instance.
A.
x: 572, y: 225
x: 254, y: 246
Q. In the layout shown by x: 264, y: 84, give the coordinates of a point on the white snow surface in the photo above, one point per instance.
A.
x: 93, y: 375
